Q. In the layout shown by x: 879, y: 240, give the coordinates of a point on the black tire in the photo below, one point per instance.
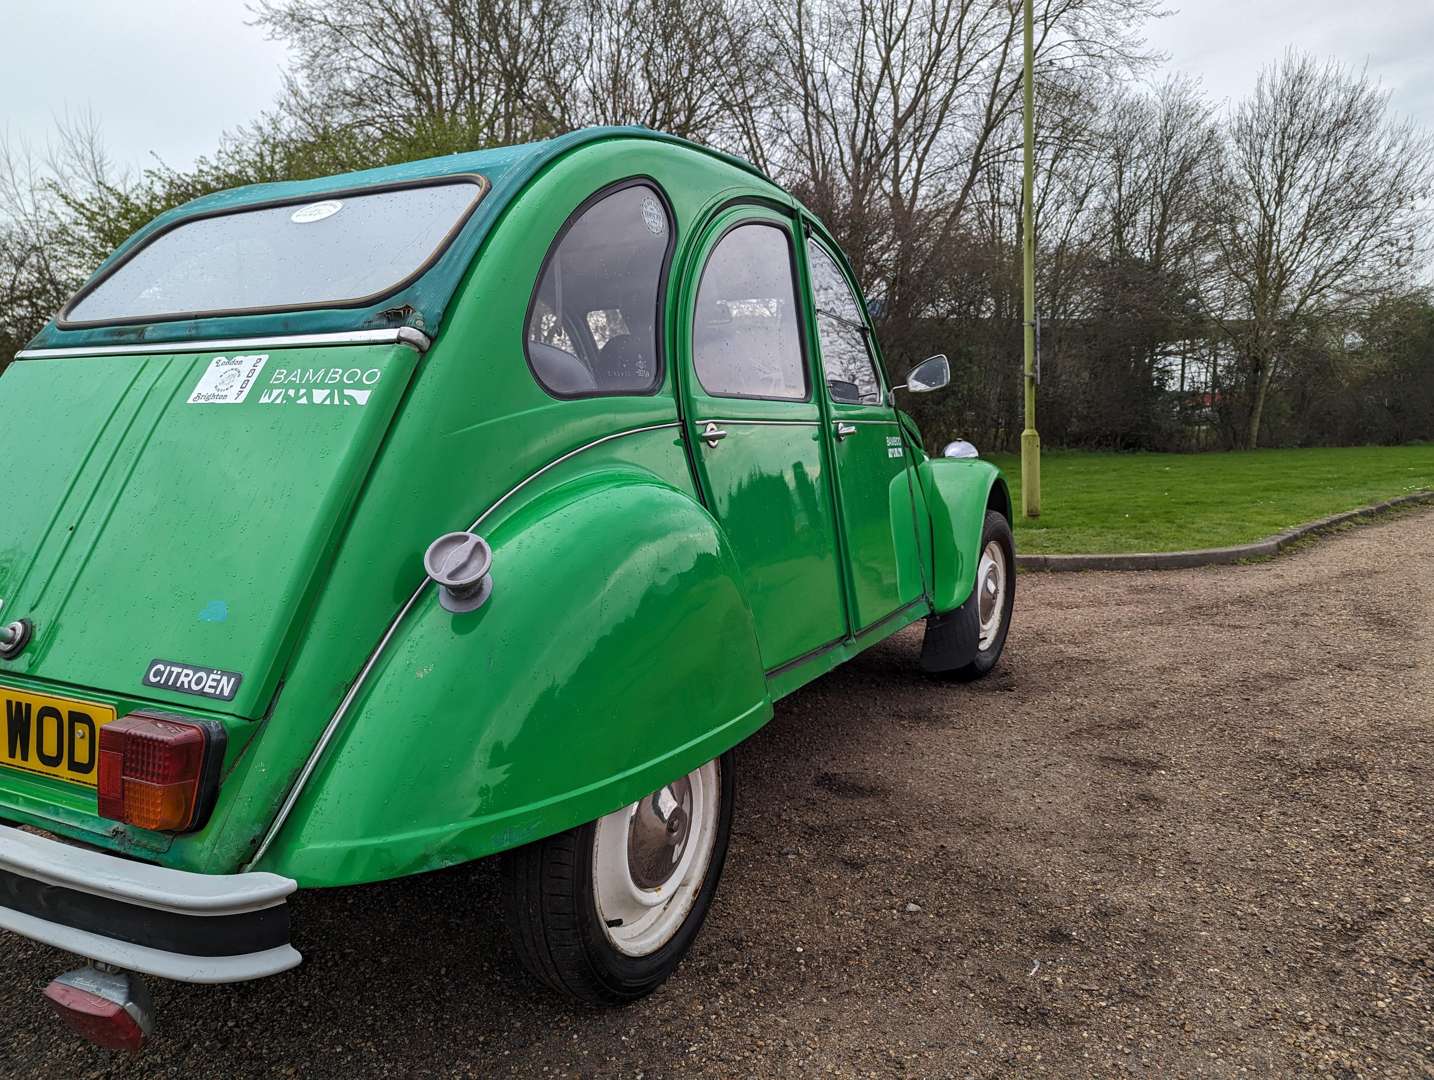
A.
x: 952, y: 647
x: 551, y: 912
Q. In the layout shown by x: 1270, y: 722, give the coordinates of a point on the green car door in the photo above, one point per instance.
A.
x: 756, y: 428
x: 874, y: 482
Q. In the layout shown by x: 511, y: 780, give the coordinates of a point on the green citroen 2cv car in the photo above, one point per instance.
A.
x: 363, y: 526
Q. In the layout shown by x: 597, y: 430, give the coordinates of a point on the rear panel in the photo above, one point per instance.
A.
x: 167, y: 518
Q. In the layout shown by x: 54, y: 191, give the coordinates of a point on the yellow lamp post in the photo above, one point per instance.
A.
x: 1030, y: 438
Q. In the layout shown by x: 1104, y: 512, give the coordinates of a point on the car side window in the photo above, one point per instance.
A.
x: 841, y: 333
x: 593, y: 324
x: 745, y: 336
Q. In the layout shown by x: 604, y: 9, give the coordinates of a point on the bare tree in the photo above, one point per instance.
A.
x: 671, y: 65
x: 1248, y: 256
x: 1319, y: 209
x: 1163, y: 150
x: 486, y: 72
x: 893, y: 112
x: 42, y: 258
x: 389, y: 66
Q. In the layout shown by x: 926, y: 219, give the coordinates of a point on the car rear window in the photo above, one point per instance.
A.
x: 342, y: 250
x: 592, y: 323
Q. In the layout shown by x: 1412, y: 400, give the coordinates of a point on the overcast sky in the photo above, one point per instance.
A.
x: 166, y: 77
x: 162, y: 76
x: 1226, y: 42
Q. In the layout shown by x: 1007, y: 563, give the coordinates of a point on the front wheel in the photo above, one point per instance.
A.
x: 966, y: 643
x: 605, y: 912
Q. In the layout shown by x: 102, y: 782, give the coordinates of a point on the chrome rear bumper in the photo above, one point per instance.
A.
x: 201, y: 928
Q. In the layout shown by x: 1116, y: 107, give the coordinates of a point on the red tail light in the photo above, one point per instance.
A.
x: 161, y: 773
x: 109, y: 1008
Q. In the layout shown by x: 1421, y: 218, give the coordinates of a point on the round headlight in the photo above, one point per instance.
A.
x: 960, y: 449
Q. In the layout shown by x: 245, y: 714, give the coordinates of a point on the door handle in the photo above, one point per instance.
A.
x: 843, y: 430
x: 712, y: 434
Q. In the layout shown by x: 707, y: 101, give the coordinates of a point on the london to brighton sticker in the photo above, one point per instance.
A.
x: 227, y: 379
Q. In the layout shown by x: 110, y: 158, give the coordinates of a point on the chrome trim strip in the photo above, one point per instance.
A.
x: 851, y: 420
x: 821, y: 650
x: 403, y: 335
x: 762, y: 423
x: 810, y: 654
x: 902, y: 610
x: 287, y: 806
x: 559, y: 460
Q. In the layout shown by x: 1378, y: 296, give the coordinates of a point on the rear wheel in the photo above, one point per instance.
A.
x: 965, y: 644
x: 605, y: 912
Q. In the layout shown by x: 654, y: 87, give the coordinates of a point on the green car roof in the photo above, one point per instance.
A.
x: 420, y: 303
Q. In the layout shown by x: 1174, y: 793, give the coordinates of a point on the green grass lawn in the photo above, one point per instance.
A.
x: 1095, y: 502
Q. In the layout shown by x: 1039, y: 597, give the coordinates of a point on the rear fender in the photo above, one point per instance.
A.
x: 617, y: 652
x: 958, y: 492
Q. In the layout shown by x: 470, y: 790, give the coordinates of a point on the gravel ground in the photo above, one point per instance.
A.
x: 1184, y: 830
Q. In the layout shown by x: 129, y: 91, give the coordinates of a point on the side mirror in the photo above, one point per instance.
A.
x: 844, y: 392
x: 931, y: 374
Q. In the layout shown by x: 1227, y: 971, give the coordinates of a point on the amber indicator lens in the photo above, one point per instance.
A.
x: 154, y: 771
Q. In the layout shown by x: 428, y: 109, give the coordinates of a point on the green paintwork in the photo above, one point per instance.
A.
x: 959, y: 493
x: 563, y: 698
x: 769, y: 487
x: 652, y: 596
x: 213, y: 519
x: 875, y: 490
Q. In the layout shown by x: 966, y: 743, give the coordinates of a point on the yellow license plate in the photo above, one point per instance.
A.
x: 51, y: 736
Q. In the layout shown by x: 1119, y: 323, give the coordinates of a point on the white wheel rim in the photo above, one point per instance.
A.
x: 651, y: 858
x: 991, y: 595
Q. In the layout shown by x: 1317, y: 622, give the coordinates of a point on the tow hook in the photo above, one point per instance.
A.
x: 14, y: 638
x: 107, y: 1006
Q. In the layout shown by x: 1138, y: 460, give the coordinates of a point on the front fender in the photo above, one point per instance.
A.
x: 617, y: 652
x: 958, y: 492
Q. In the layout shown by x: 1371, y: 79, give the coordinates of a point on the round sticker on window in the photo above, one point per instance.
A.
x: 316, y: 211
x: 652, y: 216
